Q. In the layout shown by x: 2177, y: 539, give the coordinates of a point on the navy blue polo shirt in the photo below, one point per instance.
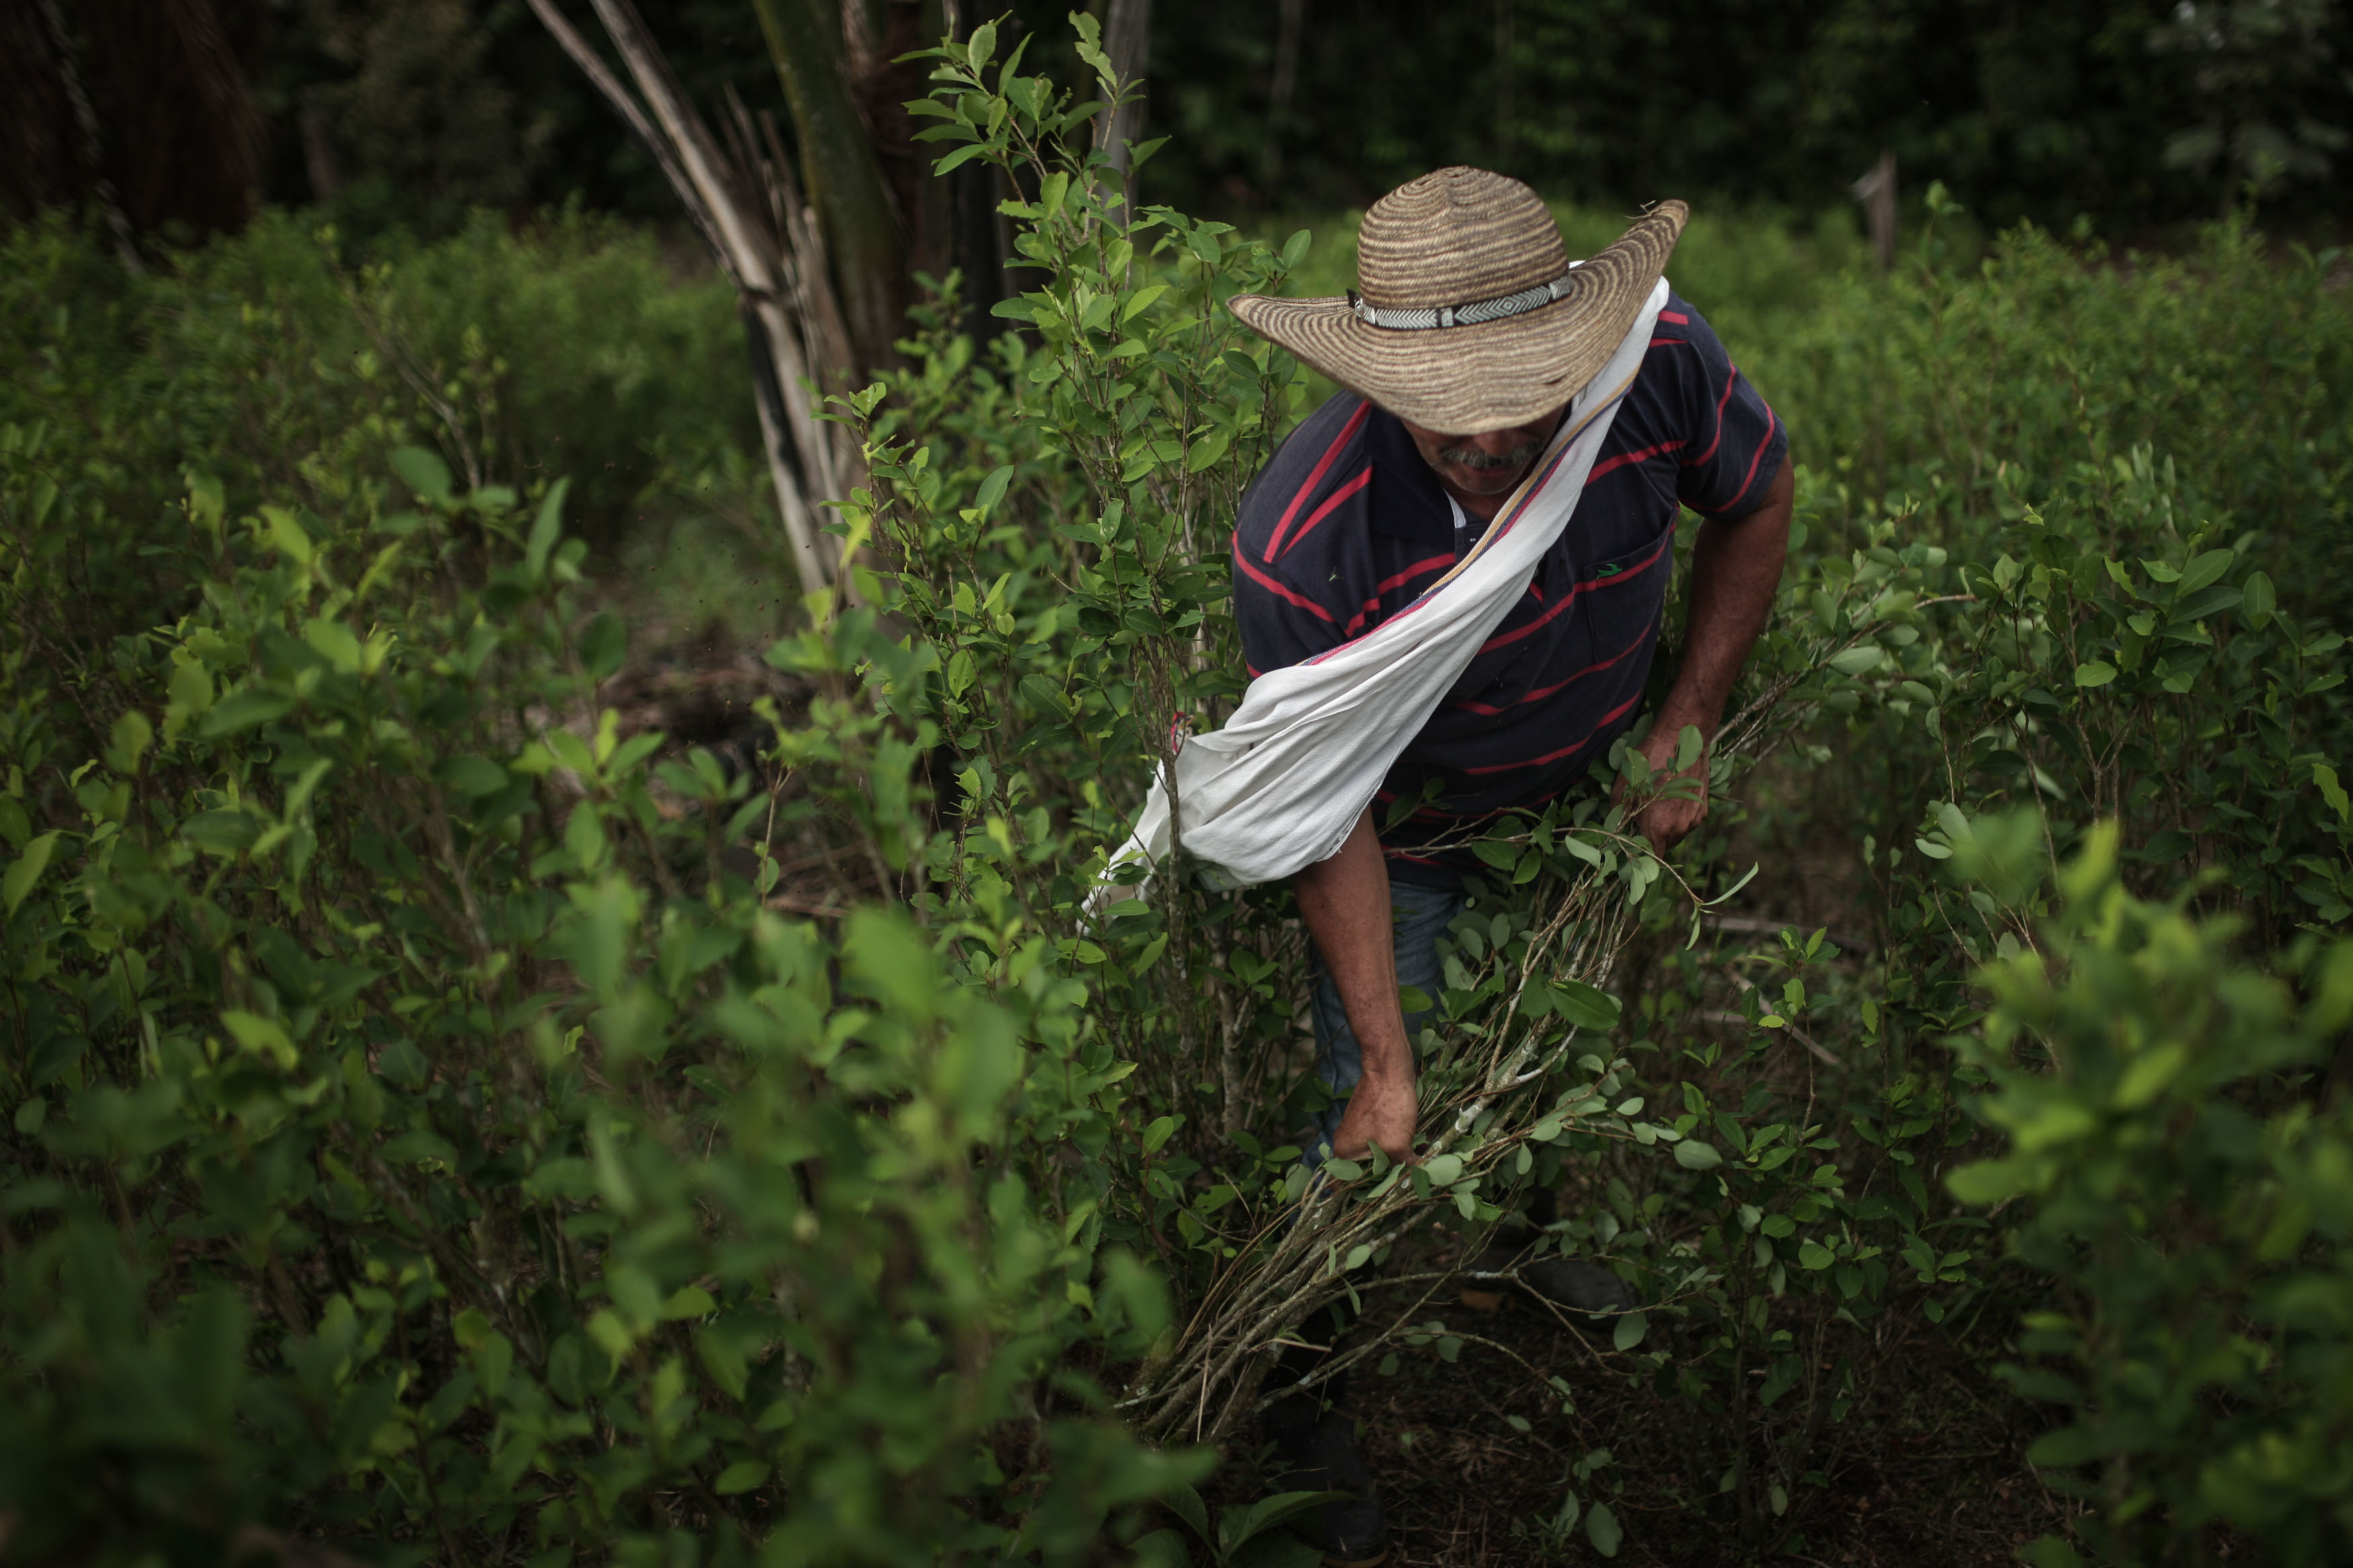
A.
x: 1346, y: 525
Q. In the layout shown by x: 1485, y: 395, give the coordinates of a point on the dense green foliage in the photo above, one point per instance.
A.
x: 2194, y: 1215
x: 439, y: 1124
x: 416, y: 1136
x: 285, y: 372
x: 2134, y: 112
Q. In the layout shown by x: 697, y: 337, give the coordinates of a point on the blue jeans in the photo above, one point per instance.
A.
x: 1422, y: 915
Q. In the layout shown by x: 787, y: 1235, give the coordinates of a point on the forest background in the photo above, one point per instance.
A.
x: 551, y: 1019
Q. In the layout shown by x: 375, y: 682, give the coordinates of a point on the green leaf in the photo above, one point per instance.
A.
x: 1239, y: 1526
x: 1857, y: 660
x: 740, y: 1476
x: 245, y: 710
x: 1206, y: 450
x: 2094, y: 674
x: 223, y: 832
x: 1631, y: 1328
x: 960, y: 157
x: 1294, y: 249
x: 2260, y: 599
x: 604, y: 646
x: 2332, y: 792
x: 992, y: 489
x: 19, y: 883
x: 1601, y: 1528
x: 1186, y: 1504
x: 286, y: 535
x: 545, y: 530
x: 1984, y: 1182
x: 1584, y: 1005
x: 689, y: 1301
x: 474, y: 777
x: 2207, y: 603
x: 264, y: 1037
x: 426, y: 473
x: 1694, y: 1155
x: 2066, y: 1447
x: 2208, y: 568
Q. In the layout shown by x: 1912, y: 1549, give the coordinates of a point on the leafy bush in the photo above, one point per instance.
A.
x: 284, y: 371
x: 416, y: 1137
x: 1968, y: 391
x: 2186, y: 1201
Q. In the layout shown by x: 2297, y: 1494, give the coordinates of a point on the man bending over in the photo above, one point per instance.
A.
x: 1455, y: 346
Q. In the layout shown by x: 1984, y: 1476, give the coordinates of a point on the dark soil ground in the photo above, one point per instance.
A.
x: 1927, y: 1471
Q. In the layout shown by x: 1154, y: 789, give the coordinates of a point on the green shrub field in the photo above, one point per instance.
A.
x: 454, y: 1114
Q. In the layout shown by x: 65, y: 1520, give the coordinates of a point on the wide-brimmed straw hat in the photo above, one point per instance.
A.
x: 1467, y: 315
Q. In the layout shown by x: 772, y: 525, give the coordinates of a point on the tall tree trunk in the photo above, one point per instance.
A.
x: 782, y: 283
x: 1127, y: 44
x: 865, y: 245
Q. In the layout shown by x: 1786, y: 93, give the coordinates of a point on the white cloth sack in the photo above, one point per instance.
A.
x: 1281, y: 784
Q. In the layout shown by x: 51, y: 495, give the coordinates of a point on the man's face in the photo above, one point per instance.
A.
x: 1489, y: 464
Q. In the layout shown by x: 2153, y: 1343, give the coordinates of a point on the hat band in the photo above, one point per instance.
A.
x: 1425, y: 318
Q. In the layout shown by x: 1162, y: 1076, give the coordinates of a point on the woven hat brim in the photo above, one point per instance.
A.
x: 1465, y: 380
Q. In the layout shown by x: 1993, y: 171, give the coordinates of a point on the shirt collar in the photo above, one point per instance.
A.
x: 1407, y: 502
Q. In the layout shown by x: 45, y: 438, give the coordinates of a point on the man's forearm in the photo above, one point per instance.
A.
x: 1345, y: 902
x: 1735, y: 571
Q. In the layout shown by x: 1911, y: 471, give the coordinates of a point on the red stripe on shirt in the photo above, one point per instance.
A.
x: 1364, y: 477
x: 1502, y: 639
x: 1419, y: 568
x: 1490, y: 711
x: 1323, y: 467
x: 1750, y: 477
x: 1277, y: 589
x: 1622, y: 458
x: 1676, y: 317
x: 1607, y: 720
x: 1720, y: 402
x: 1434, y: 564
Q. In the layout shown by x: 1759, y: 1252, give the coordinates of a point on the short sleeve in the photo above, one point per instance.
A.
x: 1737, y: 444
x: 1290, y: 601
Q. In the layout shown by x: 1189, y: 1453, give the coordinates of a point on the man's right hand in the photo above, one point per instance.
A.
x: 1345, y: 902
x: 1383, y: 1110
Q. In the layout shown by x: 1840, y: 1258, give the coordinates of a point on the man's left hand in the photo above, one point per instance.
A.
x: 1667, y: 820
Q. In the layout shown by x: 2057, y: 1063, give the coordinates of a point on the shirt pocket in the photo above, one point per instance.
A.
x: 1623, y: 596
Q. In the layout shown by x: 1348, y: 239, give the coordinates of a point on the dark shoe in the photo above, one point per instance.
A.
x: 1317, y: 1453
x: 1590, y: 1294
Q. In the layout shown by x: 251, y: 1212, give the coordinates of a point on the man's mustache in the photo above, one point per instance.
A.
x: 1472, y: 457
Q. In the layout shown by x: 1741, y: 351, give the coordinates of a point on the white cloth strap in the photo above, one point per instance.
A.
x: 1281, y: 784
